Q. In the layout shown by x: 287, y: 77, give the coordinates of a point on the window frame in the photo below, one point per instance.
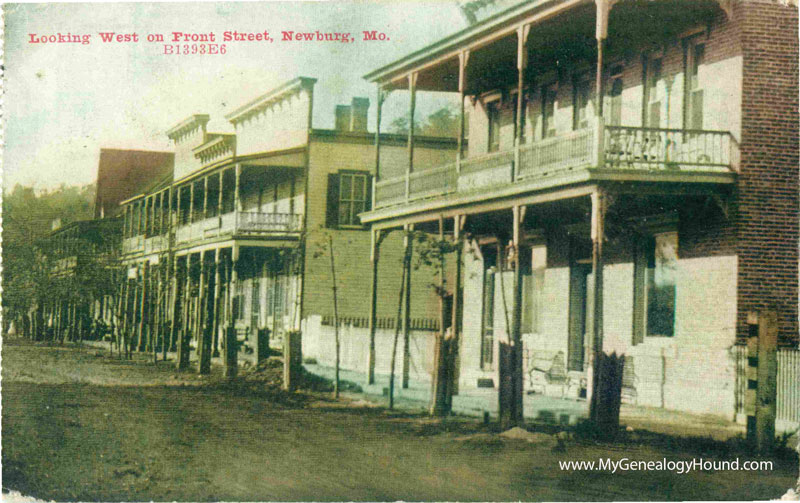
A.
x: 645, y: 254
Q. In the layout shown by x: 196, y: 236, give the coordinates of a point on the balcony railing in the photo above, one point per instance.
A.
x: 600, y: 147
x: 238, y: 223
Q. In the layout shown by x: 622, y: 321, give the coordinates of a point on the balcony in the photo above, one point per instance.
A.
x: 146, y: 244
x: 241, y: 223
x: 599, y: 152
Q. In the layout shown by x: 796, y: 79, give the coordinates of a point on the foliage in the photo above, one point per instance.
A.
x: 27, y: 219
x: 443, y: 122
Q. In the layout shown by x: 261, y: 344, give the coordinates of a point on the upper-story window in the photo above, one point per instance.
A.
x: 580, y: 99
x: 522, y: 125
x: 615, y: 87
x: 652, y: 92
x: 549, y: 97
x: 349, y: 193
x: 695, y: 57
x: 493, y: 116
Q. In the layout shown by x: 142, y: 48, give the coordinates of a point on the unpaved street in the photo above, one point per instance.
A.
x: 80, y: 425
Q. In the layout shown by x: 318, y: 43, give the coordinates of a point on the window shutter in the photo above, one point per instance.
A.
x: 368, y: 203
x: 332, y: 208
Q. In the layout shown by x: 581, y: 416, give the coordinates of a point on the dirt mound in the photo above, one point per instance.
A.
x: 270, y: 373
x: 518, y: 433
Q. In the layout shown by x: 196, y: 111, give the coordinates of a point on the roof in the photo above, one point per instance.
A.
x: 187, y: 124
x: 273, y: 96
x: 122, y: 174
x: 495, y: 15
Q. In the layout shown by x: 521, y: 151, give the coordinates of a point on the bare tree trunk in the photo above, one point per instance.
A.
x: 335, y: 317
x: 406, y: 264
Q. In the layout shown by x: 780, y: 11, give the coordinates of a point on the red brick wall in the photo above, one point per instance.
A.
x: 768, y: 182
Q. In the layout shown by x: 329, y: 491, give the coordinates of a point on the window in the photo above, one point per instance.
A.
x: 349, y: 193
x: 255, y: 305
x: 615, y: 97
x: 533, y: 291
x: 580, y: 103
x: 523, y: 125
x: 652, y: 94
x: 655, y: 271
x: 549, y: 96
x: 695, y: 57
x: 487, y: 331
x: 493, y: 116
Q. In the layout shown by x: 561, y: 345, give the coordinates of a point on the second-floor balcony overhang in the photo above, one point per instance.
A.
x: 598, y: 154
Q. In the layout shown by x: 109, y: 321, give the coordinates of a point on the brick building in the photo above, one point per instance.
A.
x: 630, y: 186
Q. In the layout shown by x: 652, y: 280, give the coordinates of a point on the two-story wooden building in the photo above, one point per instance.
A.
x: 233, y: 249
x: 630, y: 186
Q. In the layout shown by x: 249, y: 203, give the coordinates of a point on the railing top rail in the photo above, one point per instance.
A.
x: 437, y: 169
x: 671, y: 130
x: 490, y: 155
x: 389, y: 181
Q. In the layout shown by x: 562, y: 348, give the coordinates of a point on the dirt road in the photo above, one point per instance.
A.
x: 78, y: 425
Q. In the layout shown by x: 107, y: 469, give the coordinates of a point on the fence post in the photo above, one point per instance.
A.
x: 762, y: 370
x: 292, y: 359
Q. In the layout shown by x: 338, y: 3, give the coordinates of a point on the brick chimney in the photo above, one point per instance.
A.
x: 359, y: 108
x: 342, y: 117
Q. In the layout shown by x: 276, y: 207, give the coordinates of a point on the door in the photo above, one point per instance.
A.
x: 579, y: 294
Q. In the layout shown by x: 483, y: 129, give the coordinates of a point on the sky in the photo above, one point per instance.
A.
x: 65, y: 101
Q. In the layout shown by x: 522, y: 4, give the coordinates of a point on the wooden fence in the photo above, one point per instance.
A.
x: 788, y: 406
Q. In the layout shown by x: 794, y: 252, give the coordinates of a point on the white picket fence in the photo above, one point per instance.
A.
x: 788, y: 406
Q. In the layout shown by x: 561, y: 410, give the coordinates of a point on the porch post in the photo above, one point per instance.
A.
x: 408, y: 243
x: 219, y: 196
x: 142, y: 307
x: 191, y: 202
x: 518, y: 213
x: 458, y: 223
x: 237, y: 191
x: 378, y: 115
x: 215, y: 308
x: 205, y: 197
x: 183, y: 333
x: 412, y: 88
x: 522, y: 64
x: 441, y: 352
x: 598, y: 232
x: 174, y: 305
x: 376, y: 238
x: 204, y: 363
x: 231, y: 344
x: 603, y: 9
x: 463, y: 60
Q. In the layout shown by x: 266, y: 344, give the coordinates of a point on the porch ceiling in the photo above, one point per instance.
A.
x: 561, y: 36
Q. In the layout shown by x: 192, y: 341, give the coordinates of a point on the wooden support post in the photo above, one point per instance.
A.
x: 157, y: 328
x: 140, y: 342
x: 378, y: 116
x: 175, y: 311
x: 183, y: 333
x: 408, y: 243
x: 191, y: 202
x: 237, y: 198
x: 463, y: 60
x: 516, y: 326
x: 522, y: 63
x: 458, y: 223
x: 377, y: 236
x: 204, y: 360
x: 231, y: 343
x: 598, y: 234
x: 293, y: 356
x: 439, y: 385
x: 215, y: 310
x: 762, y: 374
x: 412, y: 88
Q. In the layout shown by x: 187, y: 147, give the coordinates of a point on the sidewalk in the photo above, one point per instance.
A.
x: 474, y: 402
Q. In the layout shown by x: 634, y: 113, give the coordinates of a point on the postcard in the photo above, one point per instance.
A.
x: 472, y: 250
